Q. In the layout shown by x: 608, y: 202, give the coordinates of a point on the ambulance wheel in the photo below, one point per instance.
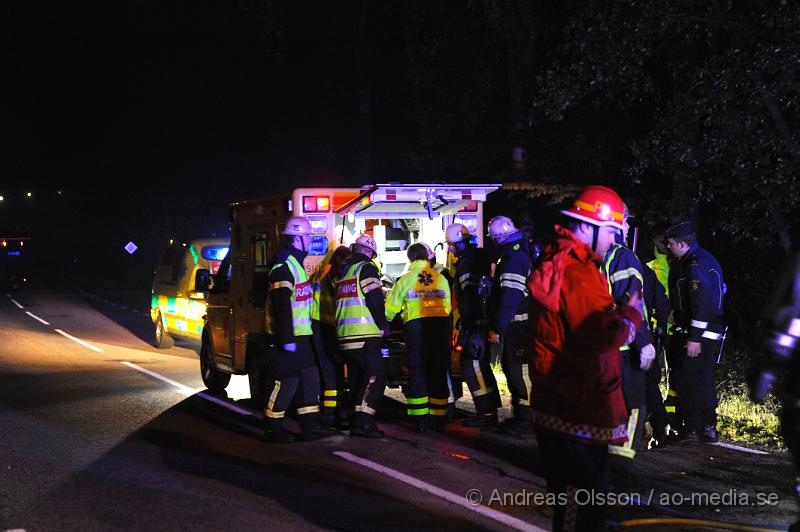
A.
x: 257, y: 377
x: 214, y: 379
x: 163, y: 339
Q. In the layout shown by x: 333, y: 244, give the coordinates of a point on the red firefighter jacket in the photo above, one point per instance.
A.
x: 577, y: 332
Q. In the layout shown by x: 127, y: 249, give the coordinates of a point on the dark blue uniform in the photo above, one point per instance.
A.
x: 696, y: 292
x: 625, y: 278
x: 472, y: 325
x: 508, y: 317
x: 780, y: 360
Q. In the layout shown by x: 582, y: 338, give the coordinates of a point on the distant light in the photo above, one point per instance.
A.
x: 21, y: 242
x: 14, y: 253
x: 5, y: 243
x: 2, y: 198
x: 59, y: 192
x: 29, y: 194
x: 131, y: 248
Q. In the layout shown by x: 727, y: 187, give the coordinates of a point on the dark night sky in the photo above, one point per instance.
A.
x: 172, y: 96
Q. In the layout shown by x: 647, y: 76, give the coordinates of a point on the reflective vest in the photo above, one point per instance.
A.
x: 619, y: 275
x: 422, y: 292
x: 353, y: 318
x: 302, y: 298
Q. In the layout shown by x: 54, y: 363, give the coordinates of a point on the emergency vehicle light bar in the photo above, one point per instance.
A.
x: 316, y: 204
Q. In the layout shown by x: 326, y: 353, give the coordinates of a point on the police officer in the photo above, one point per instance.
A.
x: 292, y: 361
x: 476, y: 369
x: 422, y: 295
x: 508, y: 312
x: 360, y: 326
x: 696, y: 292
x: 625, y: 278
x: 781, y: 360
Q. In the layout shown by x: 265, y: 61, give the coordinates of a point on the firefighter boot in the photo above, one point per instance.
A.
x: 484, y: 415
x: 313, y: 429
x: 709, y: 434
x: 420, y: 424
x: 364, y: 426
x: 275, y: 433
x: 519, y: 425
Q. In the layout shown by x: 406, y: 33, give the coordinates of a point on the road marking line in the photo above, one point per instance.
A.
x: 235, y: 408
x: 37, y: 318
x: 14, y: 301
x: 78, y: 340
x: 737, y: 448
x: 459, y: 500
x: 192, y: 391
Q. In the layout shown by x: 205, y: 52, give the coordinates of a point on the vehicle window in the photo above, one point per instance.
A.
x: 178, y: 268
x: 214, y: 252
x: 222, y: 279
x: 261, y: 256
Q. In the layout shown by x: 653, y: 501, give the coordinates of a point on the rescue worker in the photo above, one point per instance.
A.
x: 508, y: 313
x: 657, y: 303
x: 331, y: 365
x: 476, y: 368
x: 360, y: 325
x: 454, y: 389
x: 623, y: 270
x: 696, y: 292
x: 291, y: 362
x: 660, y: 265
x: 422, y: 296
x: 780, y: 361
x: 578, y: 406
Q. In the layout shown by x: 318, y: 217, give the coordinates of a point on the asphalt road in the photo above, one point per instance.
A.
x: 101, y: 431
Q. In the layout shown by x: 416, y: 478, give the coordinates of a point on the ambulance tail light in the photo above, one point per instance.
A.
x: 316, y: 204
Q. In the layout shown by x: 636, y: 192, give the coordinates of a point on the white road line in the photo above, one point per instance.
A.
x: 460, y: 500
x: 185, y: 389
x: 192, y: 391
x: 37, y: 318
x: 235, y: 408
x: 78, y: 340
x: 14, y: 301
x: 737, y: 448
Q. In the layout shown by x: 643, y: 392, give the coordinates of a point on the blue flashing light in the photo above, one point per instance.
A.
x: 319, y: 246
x: 14, y: 253
x: 214, y: 252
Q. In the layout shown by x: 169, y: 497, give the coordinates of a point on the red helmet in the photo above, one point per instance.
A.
x: 599, y: 206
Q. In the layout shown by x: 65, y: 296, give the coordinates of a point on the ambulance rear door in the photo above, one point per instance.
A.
x: 398, y: 215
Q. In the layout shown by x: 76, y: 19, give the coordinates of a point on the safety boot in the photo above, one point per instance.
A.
x: 485, y: 414
x: 709, y: 434
x: 275, y: 433
x: 364, y: 426
x: 313, y: 429
x: 438, y: 423
x: 420, y: 424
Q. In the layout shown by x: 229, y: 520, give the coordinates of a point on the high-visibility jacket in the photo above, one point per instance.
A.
x: 354, y: 320
x: 660, y: 265
x: 422, y: 292
x: 288, y: 283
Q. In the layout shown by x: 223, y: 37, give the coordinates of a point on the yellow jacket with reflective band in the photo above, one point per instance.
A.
x: 422, y: 292
x: 660, y: 265
x: 353, y: 318
x: 302, y: 298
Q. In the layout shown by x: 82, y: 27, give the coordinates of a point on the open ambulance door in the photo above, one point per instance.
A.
x: 398, y: 215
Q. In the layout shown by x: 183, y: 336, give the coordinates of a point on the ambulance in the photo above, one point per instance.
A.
x: 395, y: 215
x: 180, y: 287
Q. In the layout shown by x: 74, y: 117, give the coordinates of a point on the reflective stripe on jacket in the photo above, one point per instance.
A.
x: 300, y: 292
x: 422, y: 292
x: 353, y: 318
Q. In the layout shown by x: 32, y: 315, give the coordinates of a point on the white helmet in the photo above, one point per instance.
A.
x: 368, y: 242
x: 431, y: 254
x: 500, y: 227
x: 456, y: 233
x: 297, y: 226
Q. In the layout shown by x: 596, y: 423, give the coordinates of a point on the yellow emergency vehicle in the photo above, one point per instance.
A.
x: 180, y: 288
x: 395, y: 215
